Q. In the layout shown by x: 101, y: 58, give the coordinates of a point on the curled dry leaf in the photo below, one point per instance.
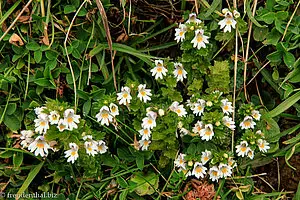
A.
x: 24, y: 19
x: 122, y: 38
x: 16, y: 40
x: 200, y: 190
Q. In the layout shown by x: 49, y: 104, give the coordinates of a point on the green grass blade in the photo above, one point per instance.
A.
x: 284, y: 105
x: 32, y: 174
x: 249, y: 13
x: 11, y: 10
x: 159, y: 47
x: 212, y: 8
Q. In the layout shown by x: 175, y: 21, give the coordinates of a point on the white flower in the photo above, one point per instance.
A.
x: 214, y: 173
x: 54, y: 117
x: 260, y: 133
x: 39, y: 110
x: 114, y: 109
x: 188, y: 173
x: 198, y: 108
x: 104, y: 116
x: 87, y: 138
x: 180, y: 33
x: 180, y: 162
x: 225, y: 10
x: 161, y: 112
x: 149, y: 121
x: 247, y: 123
x: 159, y: 70
x: 72, y: 153
x: 144, y: 144
x: 227, y: 22
x: 26, y: 137
x: 224, y: 170
x: 183, y: 131
x: 242, y: 149
x: 236, y: 14
x: 71, y: 120
x: 179, y: 72
x: 207, y: 133
x: 226, y: 106
x: 124, y: 96
x: 199, y: 170
x: 179, y: 109
x: 255, y: 114
x: 193, y: 19
x: 198, y: 127
x: 145, y: 134
x: 101, y: 147
x: 41, y: 123
x: 40, y: 146
x: 61, y: 125
x: 91, y: 147
x: 250, y: 153
x: 227, y: 121
x: 206, y: 156
x: 231, y: 162
x: 199, y: 39
x: 263, y: 145
x: 144, y: 94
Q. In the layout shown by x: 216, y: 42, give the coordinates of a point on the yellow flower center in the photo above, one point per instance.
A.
x: 215, y: 173
x: 146, y: 143
x: 179, y: 72
x: 199, y: 108
x: 150, y: 121
x: 143, y: 93
x: 199, y: 39
x: 243, y: 148
x: 89, y: 148
x: 159, y: 69
x: 205, y: 158
x: 181, y: 33
x: 181, y: 161
x: 113, y: 109
x: 125, y: 95
x: 208, y: 133
x: 105, y: 115
x: 100, y: 148
x: 70, y: 120
x: 198, y: 169
x: 43, y: 123
x: 228, y: 22
x: 224, y: 170
x: 247, y: 123
x: 73, y: 153
x: 40, y: 145
x: 226, y: 107
x: 146, y: 131
x: 262, y: 145
x: 178, y: 111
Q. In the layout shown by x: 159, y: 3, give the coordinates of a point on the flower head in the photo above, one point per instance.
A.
x: 242, y: 149
x: 179, y: 72
x: 180, y: 33
x: 199, y: 170
x: 71, y: 120
x: 206, y: 156
x: 72, y: 153
x: 198, y: 127
x: 214, y: 173
x: 144, y: 94
x: 227, y: 121
x: 26, y: 137
x: 198, y: 108
x: 41, y: 123
x: 101, y: 147
x: 227, y: 22
x: 91, y: 147
x: 144, y: 144
x: 193, y: 19
x: 159, y: 70
x: 179, y: 109
x: 250, y: 153
x: 263, y: 145
x: 256, y: 115
x: 145, y: 134
x: 207, y: 133
x: 200, y: 40
x: 226, y: 106
x: 149, y: 121
x: 61, y: 125
x: 54, y: 117
x: 39, y: 110
x: 247, y: 123
x: 124, y: 96
x: 39, y: 146
x: 236, y: 14
x: 114, y: 109
x: 224, y: 170
x: 180, y: 162
x: 104, y: 116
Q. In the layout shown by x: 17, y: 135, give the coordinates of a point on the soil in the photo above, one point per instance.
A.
x: 289, y: 178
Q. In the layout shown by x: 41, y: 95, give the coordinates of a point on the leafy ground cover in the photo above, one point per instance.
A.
x: 150, y: 99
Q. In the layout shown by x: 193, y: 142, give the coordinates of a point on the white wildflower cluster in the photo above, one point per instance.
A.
x: 124, y: 96
x: 247, y: 148
x: 206, y: 130
x: 45, y: 119
x: 249, y: 121
x: 200, y: 40
x: 199, y: 169
x: 107, y: 114
x: 148, y: 123
x: 178, y: 109
x: 228, y: 22
x: 93, y: 147
x: 159, y: 71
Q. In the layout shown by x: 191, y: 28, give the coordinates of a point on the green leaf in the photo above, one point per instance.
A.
x: 212, y: 8
x: 122, y: 182
x: 277, y: 136
x: 297, y: 195
x: 289, y: 154
x: 192, y: 149
x: 288, y: 59
x: 259, y: 34
x: 249, y: 13
x: 140, y: 162
x: 37, y: 55
x: 32, y: 174
x: 12, y: 122
x: 268, y: 17
x: 86, y: 107
x: 33, y: 46
x: 284, y: 105
x: 6, y: 154
x: 292, y: 140
x: 69, y: 9
x: 146, y: 183
x: 11, y: 108
x: 272, y: 37
x: 274, y: 57
x: 51, y: 64
x: 42, y: 82
x: 17, y: 159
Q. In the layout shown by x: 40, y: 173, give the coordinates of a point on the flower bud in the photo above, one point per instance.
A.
x: 190, y: 163
x: 236, y: 14
x: 218, y: 123
x: 180, y: 124
x: 161, y: 112
x: 225, y: 155
x: 148, y: 109
x: 192, y: 28
x: 225, y: 10
x: 209, y: 103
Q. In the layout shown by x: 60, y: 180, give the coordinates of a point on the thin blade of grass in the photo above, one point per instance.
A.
x: 8, y: 13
